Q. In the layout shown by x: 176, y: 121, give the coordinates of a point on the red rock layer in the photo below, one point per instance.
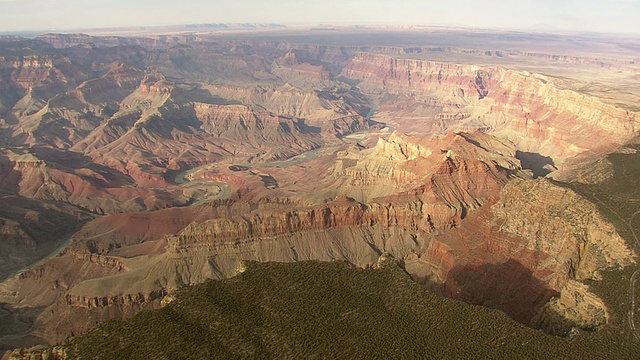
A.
x: 521, y: 251
x: 519, y: 106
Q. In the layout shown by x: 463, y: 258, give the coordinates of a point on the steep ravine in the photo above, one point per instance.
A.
x: 490, y: 258
x: 478, y: 230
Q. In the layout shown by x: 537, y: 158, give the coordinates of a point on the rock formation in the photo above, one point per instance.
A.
x: 464, y: 221
x: 536, y: 245
x: 525, y: 108
x: 191, y: 154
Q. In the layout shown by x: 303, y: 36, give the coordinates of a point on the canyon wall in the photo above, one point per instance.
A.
x: 529, y: 247
x: 527, y: 109
x: 114, y: 127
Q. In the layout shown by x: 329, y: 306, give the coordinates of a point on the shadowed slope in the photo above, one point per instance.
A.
x: 326, y: 310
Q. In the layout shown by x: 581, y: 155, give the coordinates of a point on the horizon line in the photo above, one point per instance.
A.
x: 274, y: 26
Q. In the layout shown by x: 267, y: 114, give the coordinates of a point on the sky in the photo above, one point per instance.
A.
x: 612, y: 16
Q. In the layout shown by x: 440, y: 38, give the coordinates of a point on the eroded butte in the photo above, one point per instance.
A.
x: 164, y: 161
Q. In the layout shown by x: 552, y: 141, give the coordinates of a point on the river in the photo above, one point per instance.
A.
x: 181, y: 178
x: 55, y: 252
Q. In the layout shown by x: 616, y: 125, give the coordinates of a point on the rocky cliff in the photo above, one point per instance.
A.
x: 536, y: 241
x: 516, y: 254
x: 110, y: 127
x: 526, y: 108
x: 316, y: 107
x: 459, y: 170
x: 282, y: 137
x: 470, y: 220
x: 122, y: 300
x: 40, y: 353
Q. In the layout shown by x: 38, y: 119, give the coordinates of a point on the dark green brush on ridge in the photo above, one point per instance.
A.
x: 316, y: 310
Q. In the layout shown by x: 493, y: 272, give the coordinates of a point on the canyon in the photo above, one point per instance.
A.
x: 155, y: 163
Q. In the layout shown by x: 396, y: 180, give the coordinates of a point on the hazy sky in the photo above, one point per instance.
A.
x: 581, y: 15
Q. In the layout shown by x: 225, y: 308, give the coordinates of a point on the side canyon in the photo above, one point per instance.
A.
x: 145, y: 165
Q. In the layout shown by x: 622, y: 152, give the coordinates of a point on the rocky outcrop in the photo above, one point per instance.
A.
x: 283, y: 137
x: 115, y: 263
x: 342, y: 212
x: 315, y: 107
x: 527, y: 109
x: 295, y: 65
x: 288, y: 230
x: 458, y: 179
x: 538, y: 239
x: 155, y: 84
x: 111, y: 264
x: 567, y: 121
x: 575, y: 307
x: 459, y: 170
x: 231, y: 120
x: 115, y: 300
x: 459, y: 83
x: 40, y: 353
x: 522, y: 253
x: 31, y: 71
x: 589, y: 244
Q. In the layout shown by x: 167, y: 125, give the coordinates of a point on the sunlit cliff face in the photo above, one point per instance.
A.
x: 192, y: 157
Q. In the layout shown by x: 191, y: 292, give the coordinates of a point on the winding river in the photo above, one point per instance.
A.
x: 182, y: 177
x: 55, y: 252
x: 225, y: 189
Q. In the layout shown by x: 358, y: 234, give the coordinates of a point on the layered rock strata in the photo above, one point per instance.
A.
x: 526, y: 108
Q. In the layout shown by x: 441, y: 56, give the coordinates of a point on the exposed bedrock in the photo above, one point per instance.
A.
x: 473, y: 223
x: 535, y: 244
x: 526, y: 108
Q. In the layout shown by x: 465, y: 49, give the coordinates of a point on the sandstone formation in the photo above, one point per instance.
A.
x: 30, y: 230
x: 39, y: 353
x: 192, y: 154
x: 525, y: 108
x: 465, y: 222
x: 536, y: 245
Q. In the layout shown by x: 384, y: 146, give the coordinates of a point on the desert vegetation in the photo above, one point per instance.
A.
x: 332, y: 310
